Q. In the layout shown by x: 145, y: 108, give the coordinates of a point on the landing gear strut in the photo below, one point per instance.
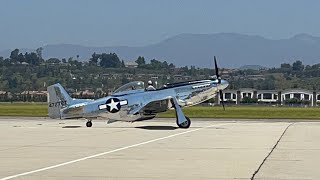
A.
x: 182, y: 120
x: 89, y: 123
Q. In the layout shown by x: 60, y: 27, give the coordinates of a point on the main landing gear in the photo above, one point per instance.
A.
x: 185, y: 124
x: 182, y: 120
x: 89, y: 123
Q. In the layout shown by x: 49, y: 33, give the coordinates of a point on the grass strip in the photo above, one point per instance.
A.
x: 249, y: 112
x: 245, y: 112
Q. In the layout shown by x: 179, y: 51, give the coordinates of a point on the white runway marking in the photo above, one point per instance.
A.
x: 108, y: 152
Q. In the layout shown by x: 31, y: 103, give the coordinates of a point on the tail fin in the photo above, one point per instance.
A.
x: 57, y: 99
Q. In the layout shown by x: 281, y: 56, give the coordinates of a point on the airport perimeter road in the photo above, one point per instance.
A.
x: 51, y: 149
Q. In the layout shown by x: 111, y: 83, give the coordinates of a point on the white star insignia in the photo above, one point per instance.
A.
x: 113, y: 105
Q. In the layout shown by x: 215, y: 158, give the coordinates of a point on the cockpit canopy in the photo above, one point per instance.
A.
x: 135, y: 85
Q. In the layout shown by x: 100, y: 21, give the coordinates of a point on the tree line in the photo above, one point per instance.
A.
x: 30, y: 71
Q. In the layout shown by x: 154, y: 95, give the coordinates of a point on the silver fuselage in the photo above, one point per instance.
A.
x: 139, y: 104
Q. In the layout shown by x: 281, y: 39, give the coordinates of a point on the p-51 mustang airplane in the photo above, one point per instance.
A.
x: 132, y: 102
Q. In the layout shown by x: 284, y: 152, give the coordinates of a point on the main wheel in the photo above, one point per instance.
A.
x: 89, y: 124
x: 186, y: 124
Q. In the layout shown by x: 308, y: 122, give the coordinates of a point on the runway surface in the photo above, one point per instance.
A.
x: 38, y: 148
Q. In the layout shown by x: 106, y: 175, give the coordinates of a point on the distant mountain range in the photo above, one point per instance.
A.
x: 232, y: 50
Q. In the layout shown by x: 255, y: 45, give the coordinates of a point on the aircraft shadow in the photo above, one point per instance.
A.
x: 157, y: 127
x: 71, y: 126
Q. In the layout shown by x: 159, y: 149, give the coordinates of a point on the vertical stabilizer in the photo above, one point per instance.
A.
x: 57, y: 98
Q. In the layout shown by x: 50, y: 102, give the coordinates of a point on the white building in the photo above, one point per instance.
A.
x: 270, y: 96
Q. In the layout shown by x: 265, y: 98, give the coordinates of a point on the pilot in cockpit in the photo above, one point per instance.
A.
x: 150, y: 86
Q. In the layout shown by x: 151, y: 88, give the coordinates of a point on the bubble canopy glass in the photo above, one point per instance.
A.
x: 135, y: 85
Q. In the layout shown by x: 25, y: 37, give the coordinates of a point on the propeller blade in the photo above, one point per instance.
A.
x: 221, y: 99
x: 216, y: 66
x: 217, y: 70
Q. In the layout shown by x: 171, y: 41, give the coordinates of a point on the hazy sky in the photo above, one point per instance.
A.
x: 34, y: 23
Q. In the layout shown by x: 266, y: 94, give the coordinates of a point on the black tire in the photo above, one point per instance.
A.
x: 186, y: 124
x: 89, y: 124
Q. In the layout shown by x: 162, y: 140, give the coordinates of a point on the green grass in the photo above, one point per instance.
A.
x: 250, y: 112
x: 23, y: 109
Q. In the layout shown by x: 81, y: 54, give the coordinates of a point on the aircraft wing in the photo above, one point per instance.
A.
x: 149, y: 104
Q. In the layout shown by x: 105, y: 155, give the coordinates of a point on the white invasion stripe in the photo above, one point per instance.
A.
x: 124, y: 102
x: 107, y: 152
x: 103, y: 106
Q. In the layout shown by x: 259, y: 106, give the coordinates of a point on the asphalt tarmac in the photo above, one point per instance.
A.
x: 41, y: 148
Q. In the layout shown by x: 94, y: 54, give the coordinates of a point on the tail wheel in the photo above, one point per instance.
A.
x: 89, y: 124
x: 186, y: 124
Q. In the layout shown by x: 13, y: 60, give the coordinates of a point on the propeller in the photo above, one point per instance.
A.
x: 217, y: 70
x: 221, y: 99
x: 219, y: 81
